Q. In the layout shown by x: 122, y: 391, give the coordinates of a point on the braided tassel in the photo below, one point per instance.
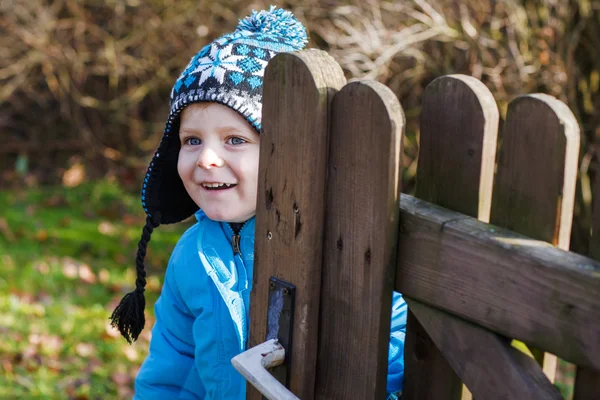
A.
x: 128, y: 316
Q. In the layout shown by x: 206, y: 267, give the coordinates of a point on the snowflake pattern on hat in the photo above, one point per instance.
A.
x: 237, y: 61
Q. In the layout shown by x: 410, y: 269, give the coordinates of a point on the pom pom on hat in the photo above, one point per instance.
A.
x: 276, y: 22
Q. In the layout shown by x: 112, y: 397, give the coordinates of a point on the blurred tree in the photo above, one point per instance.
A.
x: 92, y: 78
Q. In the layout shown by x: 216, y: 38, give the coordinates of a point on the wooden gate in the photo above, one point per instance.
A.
x: 331, y: 220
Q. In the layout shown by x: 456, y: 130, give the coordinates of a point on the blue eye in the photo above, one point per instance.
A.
x: 236, y: 140
x: 193, y: 141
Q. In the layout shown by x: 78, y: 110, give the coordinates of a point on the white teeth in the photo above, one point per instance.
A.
x: 217, y: 185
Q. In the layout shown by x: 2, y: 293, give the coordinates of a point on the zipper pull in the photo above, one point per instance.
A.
x: 235, y: 243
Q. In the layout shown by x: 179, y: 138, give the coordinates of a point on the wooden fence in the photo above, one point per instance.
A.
x: 331, y: 220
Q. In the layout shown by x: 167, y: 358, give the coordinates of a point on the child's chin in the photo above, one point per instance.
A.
x: 217, y: 215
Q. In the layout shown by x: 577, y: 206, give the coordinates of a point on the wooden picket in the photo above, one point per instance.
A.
x: 459, y: 124
x: 536, y: 176
x: 328, y: 222
x: 361, y: 229
x: 291, y: 200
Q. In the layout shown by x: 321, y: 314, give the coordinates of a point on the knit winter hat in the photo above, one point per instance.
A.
x: 228, y: 71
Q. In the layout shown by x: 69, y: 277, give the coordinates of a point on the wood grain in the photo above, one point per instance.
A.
x: 298, y: 90
x: 360, y: 242
x: 488, y: 364
x: 508, y: 283
x: 457, y: 150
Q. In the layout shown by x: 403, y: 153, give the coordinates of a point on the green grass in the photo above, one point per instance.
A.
x: 66, y: 258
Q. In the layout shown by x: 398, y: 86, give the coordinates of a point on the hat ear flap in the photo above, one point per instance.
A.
x: 164, y: 191
x: 175, y: 202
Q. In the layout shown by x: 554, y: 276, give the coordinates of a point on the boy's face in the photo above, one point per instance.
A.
x: 218, y: 161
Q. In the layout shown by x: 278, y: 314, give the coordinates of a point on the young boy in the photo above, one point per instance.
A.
x: 207, y: 164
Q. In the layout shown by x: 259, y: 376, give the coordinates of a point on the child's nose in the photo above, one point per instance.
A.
x: 209, y: 158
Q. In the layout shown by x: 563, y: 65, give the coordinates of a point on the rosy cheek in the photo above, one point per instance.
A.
x: 182, y: 165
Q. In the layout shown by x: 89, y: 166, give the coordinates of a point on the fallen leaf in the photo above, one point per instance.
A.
x: 85, y: 349
x: 34, y: 338
x: 104, y: 275
x: 41, y: 235
x: 69, y: 268
x: 130, y: 352
x: 106, y: 228
x: 7, y: 365
x: 51, y: 343
x: 74, y: 175
x: 42, y: 267
x: 153, y: 284
x: 30, y: 351
x: 86, y: 274
x: 110, y: 331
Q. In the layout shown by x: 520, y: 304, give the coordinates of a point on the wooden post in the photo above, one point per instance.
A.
x: 360, y: 242
x: 298, y: 90
x: 536, y: 177
x: 459, y: 124
x: 587, y: 380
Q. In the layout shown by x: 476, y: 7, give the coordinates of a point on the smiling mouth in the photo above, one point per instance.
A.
x: 218, y: 186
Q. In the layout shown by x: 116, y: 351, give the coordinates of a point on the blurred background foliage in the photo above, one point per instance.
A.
x: 84, y: 89
x: 86, y: 83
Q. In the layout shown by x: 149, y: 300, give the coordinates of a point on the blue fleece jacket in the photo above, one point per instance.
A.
x: 202, y: 319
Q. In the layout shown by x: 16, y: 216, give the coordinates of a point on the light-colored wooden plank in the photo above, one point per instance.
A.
x: 488, y: 364
x: 587, y: 380
x: 459, y: 124
x: 536, y: 176
x: 298, y: 90
x: 360, y: 242
x: 520, y: 287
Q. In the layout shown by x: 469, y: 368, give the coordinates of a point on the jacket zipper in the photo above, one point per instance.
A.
x: 235, y: 239
x: 235, y: 244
